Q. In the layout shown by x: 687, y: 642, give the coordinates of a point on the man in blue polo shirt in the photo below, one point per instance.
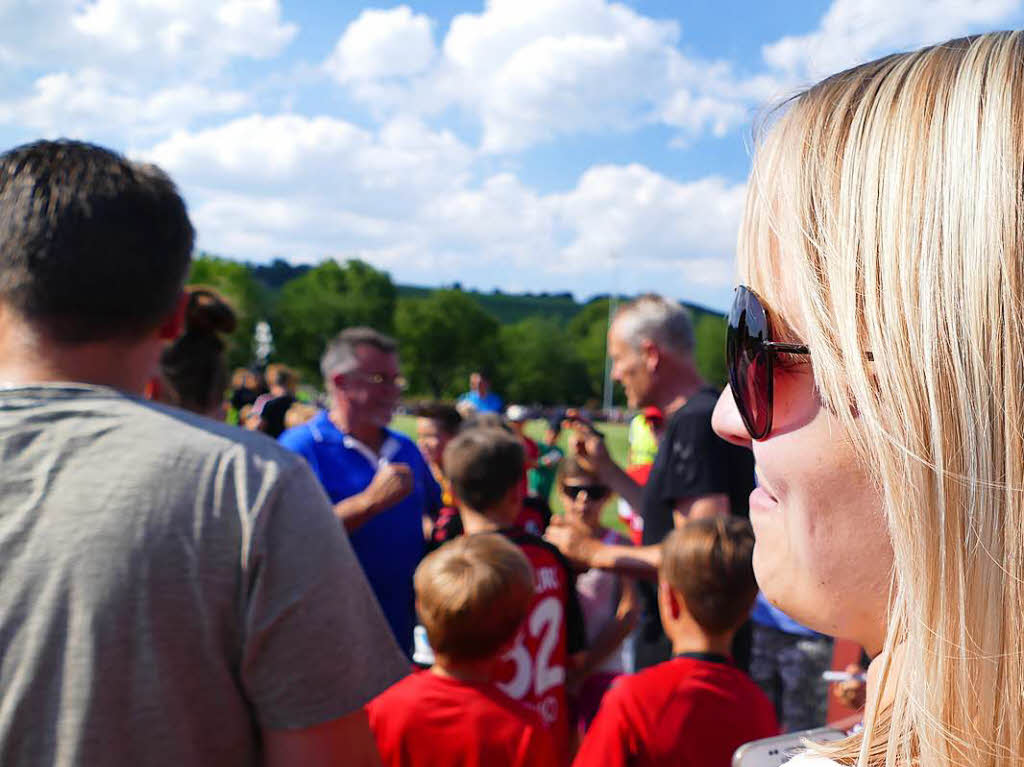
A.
x: 480, y: 397
x: 376, y: 478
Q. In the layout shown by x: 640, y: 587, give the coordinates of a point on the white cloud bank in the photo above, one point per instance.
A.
x: 405, y: 198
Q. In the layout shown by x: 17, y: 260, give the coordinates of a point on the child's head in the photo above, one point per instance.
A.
x: 436, y: 424
x: 706, y: 565
x: 583, y: 495
x: 472, y: 594
x: 485, y: 467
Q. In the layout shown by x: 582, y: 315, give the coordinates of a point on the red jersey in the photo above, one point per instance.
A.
x: 430, y: 721
x: 692, y: 711
x: 533, y: 670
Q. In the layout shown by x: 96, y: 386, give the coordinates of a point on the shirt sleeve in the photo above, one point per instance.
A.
x: 695, y: 465
x: 609, y: 742
x: 310, y: 620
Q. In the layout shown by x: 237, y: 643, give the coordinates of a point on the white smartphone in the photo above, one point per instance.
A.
x: 772, y: 752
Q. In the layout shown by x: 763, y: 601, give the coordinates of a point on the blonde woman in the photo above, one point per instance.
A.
x: 877, y: 371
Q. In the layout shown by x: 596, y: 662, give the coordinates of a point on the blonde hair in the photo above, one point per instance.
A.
x: 885, y: 211
x: 472, y: 594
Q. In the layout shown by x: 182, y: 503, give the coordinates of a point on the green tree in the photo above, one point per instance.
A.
x: 313, y: 308
x: 589, y: 333
x: 250, y: 300
x: 709, y: 353
x: 443, y: 338
x: 541, y: 364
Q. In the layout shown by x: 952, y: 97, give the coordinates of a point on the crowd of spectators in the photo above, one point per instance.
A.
x: 198, y: 572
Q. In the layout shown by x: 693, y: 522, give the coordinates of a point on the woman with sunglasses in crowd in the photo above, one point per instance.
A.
x: 876, y: 362
x: 608, y: 600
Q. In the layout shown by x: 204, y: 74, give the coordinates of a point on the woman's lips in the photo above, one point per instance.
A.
x: 761, y: 500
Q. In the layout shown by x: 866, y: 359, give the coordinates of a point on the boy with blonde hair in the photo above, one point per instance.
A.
x: 471, y: 594
x: 697, y: 708
x: 485, y: 466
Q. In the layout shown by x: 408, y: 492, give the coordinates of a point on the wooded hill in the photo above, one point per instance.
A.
x: 538, y: 348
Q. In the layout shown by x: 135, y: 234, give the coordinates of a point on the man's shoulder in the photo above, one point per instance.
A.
x: 698, y: 409
x: 148, y: 426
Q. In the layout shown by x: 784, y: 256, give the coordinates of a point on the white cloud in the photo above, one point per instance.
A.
x: 405, y: 198
x: 383, y: 44
x: 853, y: 31
x: 534, y: 70
x: 86, y: 102
x: 126, y: 69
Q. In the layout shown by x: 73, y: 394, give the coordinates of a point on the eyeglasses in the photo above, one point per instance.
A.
x: 379, y: 379
x: 750, y: 356
x: 594, y: 492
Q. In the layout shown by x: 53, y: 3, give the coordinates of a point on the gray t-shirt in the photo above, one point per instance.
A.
x: 168, y: 587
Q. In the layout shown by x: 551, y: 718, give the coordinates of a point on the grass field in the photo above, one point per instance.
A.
x: 616, y: 437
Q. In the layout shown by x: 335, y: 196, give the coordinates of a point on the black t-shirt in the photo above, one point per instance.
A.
x: 273, y: 414
x: 693, y: 461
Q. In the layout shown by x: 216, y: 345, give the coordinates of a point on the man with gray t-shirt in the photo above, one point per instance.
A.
x: 172, y: 591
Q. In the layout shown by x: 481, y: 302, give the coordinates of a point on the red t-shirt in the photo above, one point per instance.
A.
x: 430, y: 721
x: 686, y: 712
x: 533, y: 670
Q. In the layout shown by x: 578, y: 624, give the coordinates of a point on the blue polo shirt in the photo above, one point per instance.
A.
x: 390, y: 545
x: 488, y: 404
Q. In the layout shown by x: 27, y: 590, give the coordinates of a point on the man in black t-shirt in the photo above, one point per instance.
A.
x: 695, y: 473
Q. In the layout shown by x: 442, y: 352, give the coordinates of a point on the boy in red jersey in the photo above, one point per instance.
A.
x: 472, y: 595
x: 485, y: 466
x: 696, y: 709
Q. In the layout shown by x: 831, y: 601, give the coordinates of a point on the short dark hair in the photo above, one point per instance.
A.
x: 709, y: 562
x: 340, y: 355
x: 483, y: 464
x: 92, y: 245
x: 446, y: 415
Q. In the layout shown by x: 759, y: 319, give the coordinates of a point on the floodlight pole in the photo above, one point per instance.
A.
x: 609, y: 386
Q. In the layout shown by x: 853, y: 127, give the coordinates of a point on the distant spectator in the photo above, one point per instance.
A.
x: 300, y: 413
x: 697, y: 708
x: 272, y: 406
x: 644, y: 434
x: 609, y: 601
x: 542, y: 476
x: 436, y: 424
x: 787, y: 661
x: 480, y: 396
x: 517, y: 416
x: 472, y: 595
x: 193, y: 374
x: 246, y: 387
x: 375, y: 477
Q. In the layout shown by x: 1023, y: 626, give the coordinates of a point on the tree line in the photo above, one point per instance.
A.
x: 543, y: 357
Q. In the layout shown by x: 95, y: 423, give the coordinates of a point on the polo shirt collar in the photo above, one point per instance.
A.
x: 325, y: 430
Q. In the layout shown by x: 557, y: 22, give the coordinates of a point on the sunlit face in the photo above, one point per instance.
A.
x: 431, y: 439
x: 630, y: 368
x: 822, y: 552
x: 371, y: 392
x: 583, y: 497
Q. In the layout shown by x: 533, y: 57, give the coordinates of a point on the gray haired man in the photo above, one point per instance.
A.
x: 377, y: 479
x: 695, y: 473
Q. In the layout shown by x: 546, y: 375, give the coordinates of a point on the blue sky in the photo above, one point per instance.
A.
x: 542, y: 145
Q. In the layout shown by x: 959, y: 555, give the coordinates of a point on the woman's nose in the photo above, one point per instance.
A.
x: 727, y: 422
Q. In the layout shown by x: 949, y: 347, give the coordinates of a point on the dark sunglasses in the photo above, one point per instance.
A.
x: 750, y: 356
x: 594, y: 492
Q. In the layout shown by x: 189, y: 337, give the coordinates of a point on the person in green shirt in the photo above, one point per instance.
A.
x: 541, y: 478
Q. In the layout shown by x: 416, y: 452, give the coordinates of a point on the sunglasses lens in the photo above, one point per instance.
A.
x: 750, y: 370
x: 594, y: 492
